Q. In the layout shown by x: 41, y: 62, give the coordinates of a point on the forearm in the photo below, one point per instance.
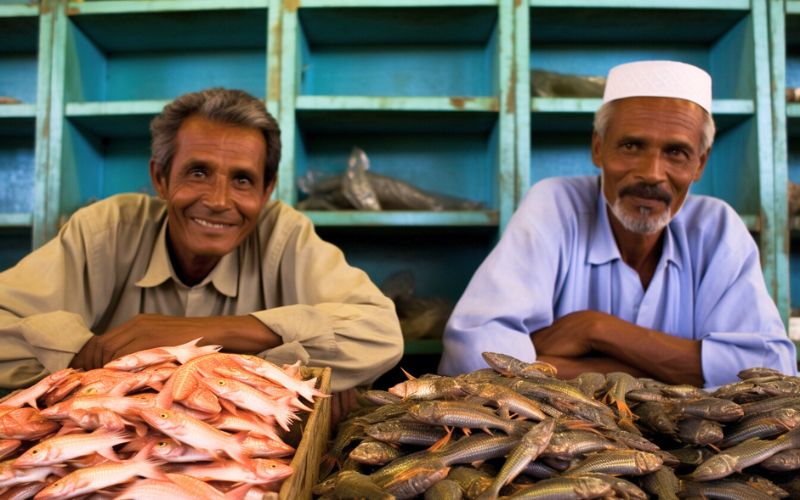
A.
x: 569, y: 368
x: 673, y: 360
x: 238, y: 334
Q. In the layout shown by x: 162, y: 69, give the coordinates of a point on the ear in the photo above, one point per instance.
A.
x: 270, y: 188
x: 703, y: 160
x: 158, y: 180
x: 596, y: 146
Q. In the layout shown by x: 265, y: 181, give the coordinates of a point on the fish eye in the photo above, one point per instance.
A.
x: 162, y: 443
x: 164, y: 415
x: 220, y: 382
x: 34, y: 451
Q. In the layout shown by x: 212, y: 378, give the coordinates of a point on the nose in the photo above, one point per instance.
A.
x: 652, y: 168
x: 218, y: 197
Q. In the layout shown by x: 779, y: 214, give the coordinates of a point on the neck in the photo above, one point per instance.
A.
x: 639, y: 251
x: 191, y: 269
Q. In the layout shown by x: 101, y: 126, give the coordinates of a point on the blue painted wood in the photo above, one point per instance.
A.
x: 409, y: 52
x: 17, y: 170
x: 406, y: 219
x: 110, y: 53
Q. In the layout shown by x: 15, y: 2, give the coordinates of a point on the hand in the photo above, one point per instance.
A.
x: 242, y: 334
x: 571, y: 336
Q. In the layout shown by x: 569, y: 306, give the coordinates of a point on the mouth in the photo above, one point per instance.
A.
x: 211, y: 225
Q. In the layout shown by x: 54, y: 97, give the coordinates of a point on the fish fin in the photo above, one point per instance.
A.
x: 715, y: 448
x: 109, y: 454
x: 466, y: 430
x: 443, y: 440
x: 408, y: 375
x: 229, y: 407
x: 239, y: 492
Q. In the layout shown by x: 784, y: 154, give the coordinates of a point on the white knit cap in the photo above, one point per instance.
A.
x: 659, y: 79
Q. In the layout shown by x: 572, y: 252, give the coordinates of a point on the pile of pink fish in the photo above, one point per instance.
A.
x: 185, y: 421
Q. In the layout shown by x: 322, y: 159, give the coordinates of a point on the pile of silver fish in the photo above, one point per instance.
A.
x: 182, y: 422
x: 516, y: 431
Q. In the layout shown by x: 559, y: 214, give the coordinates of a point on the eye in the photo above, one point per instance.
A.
x: 34, y: 451
x: 162, y: 444
x: 220, y: 382
x: 164, y: 415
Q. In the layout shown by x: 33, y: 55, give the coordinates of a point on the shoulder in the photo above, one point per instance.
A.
x: 559, y: 199
x: 122, y: 213
x: 710, y: 224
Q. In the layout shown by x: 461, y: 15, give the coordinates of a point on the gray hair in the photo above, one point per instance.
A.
x: 603, y: 116
x: 227, y: 106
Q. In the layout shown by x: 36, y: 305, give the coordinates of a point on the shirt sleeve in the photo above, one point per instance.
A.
x: 44, y: 309
x: 334, y: 315
x: 739, y: 324
x: 512, y: 292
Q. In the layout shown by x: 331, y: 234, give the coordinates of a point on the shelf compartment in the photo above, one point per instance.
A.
x: 448, y: 153
x: 441, y: 267
x: 19, y: 40
x: 403, y: 218
x: 17, y: 165
x: 414, y: 51
x: 103, y: 156
x: 107, y: 53
x: 592, y: 40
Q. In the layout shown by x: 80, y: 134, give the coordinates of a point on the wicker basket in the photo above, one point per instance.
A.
x: 311, y: 436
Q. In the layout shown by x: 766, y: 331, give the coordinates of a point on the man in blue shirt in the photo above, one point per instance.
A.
x: 627, y: 271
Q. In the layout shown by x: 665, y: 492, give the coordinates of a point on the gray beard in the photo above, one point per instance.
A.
x: 643, y: 222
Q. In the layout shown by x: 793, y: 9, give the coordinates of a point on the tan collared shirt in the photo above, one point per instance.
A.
x: 110, y: 263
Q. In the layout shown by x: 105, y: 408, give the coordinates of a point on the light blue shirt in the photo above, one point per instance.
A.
x: 558, y: 255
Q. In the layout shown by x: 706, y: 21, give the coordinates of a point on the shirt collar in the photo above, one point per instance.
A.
x: 224, y: 276
x: 603, y: 247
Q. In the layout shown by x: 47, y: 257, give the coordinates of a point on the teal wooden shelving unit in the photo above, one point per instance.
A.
x: 436, y: 92
x: 785, y: 49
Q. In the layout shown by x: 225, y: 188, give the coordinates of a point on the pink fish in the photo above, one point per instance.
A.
x: 26, y: 424
x: 182, y: 353
x: 61, y: 448
x: 249, y: 398
x: 193, y: 432
x: 83, y: 481
x: 260, y: 447
x: 39, y: 389
x: 271, y: 371
x: 8, y: 446
x: 10, y: 475
x: 261, y: 471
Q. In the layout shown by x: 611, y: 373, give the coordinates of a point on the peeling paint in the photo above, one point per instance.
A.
x: 73, y: 11
x: 517, y: 3
x: 511, y: 97
x: 460, y: 102
x: 274, y: 84
x: 291, y: 5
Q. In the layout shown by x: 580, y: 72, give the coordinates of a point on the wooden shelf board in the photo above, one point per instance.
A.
x: 793, y: 109
x: 793, y: 6
x: 115, y: 108
x: 17, y: 111
x: 395, y: 3
x: 590, y: 105
x: 19, y: 10
x: 391, y: 103
x: 133, y: 6
x: 646, y: 4
x: 22, y: 219
x: 353, y: 218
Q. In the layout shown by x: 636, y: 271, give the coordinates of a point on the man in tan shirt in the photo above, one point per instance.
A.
x: 210, y: 257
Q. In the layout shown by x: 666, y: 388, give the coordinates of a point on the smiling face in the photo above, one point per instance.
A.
x: 214, y: 193
x: 649, y: 157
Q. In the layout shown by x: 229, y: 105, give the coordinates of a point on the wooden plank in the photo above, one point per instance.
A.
x: 23, y: 219
x: 396, y: 3
x: 132, y: 6
x: 506, y: 142
x: 369, y: 103
x: 17, y: 110
x: 522, y: 54
x: 793, y: 109
x: 646, y: 4
x: 19, y: 10
x: 793, y: 6
x: 315, y: 431
x: 403, y: 218
x: 112, y: 108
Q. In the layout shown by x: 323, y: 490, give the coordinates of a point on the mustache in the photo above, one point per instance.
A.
x: 647, y: 191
